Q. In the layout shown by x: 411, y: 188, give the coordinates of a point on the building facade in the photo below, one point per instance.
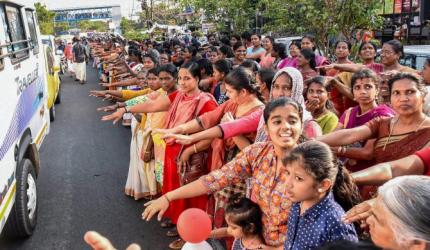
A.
x: 110, y: 14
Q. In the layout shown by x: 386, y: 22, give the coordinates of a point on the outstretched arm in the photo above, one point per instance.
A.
x: 346, y: 136
x: 381, y: 173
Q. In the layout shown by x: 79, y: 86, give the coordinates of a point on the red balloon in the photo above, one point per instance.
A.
x: 194, y: 225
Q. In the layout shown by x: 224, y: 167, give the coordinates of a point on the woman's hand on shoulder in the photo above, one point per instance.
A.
x: 359, y: 212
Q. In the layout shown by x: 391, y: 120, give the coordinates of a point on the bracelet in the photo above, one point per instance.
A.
x: 165, y: 196
x: 195, y: 149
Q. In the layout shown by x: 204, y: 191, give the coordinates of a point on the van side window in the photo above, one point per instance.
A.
x: 32, y: 27
x: 5, y: 36
x: 19, y: 43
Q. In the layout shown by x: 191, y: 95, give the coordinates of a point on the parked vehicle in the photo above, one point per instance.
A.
x: 53, y: 80
x: 415, y: 56
x: 24, y: 116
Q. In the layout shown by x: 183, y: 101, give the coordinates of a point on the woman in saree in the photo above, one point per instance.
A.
x: 306, y: 63
x: 364, y: 85
x: 398, y: 136
x: 262, y: 164
x: 181, y: 106
x: 308, y: 42
x: 141, y: 183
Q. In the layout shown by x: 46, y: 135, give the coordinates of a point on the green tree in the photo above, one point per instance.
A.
x: 87, y: 25
x: 326, y: 19
x: 45, y: 19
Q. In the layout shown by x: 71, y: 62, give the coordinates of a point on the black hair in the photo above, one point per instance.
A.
x: 152, y: 57
x: 206, y: 65
x: 223, y: 66
x: 364, y: 73
x: 170, y: 69
x: 397, y: 47
x: 169, y: 57
x: 211, y: 34
x: 213, y: 49
x: 250, y: 64
x: 419, y: 83
x: 240, y: 79
x: 246, y: 36
x: 312, y: 39
x: 308, y: 54
x: 344, y: 41
x: 266, y: 75
x: 272, y: 40
x: 246, y: 214
x: 192, y: 50
x: 227, y: 51
x: 280, y: 49
x: 296, y: 43
x: 281, y: 102
x: 256, y: 34
x: 238, y: 45
x: 364, y: 43
x: 225, y: 40
x: 427, y: 61
x: 154, y: 71
x: 236, y: 36
x: 193, y: 68
x: 318, y: 161
x: 321, y: 81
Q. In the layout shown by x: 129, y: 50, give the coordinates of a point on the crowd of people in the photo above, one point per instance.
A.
x: 282, y: 150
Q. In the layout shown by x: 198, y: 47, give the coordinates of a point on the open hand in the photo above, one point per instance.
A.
x: 115, y: 116
x: 98, y: 93
x: 98, y: 242
x: 159, y: 206
x: 108, y: 108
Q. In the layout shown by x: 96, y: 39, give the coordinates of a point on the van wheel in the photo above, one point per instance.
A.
x: 23, y: 217
x: 52, y: 113
x: 58, y: 99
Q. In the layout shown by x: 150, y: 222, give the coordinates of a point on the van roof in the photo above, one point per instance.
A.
x: 417, y: 49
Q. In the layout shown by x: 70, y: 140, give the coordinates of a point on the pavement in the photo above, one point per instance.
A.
x: 84, y: 166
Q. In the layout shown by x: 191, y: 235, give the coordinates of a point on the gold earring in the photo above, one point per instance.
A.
x: 320, y: 190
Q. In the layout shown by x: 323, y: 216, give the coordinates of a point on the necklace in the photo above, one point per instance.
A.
x: 392, y: 129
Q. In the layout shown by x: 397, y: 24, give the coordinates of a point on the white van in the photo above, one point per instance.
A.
x: 24, y: 117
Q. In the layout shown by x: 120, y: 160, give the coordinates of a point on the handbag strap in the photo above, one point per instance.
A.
x: 196, y: 112
x: 347, y: 116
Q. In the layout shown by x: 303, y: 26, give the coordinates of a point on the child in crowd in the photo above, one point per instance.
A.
x: 315, y: 184
x: 243, y: 218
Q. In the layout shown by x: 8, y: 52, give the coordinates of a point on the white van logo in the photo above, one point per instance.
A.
x: 24, y: 82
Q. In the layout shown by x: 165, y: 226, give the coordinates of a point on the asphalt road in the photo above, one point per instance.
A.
x: 84, y: 166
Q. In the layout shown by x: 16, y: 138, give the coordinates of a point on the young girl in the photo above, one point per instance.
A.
x: 319, y: 105
x: 243, y: 218
x: 320, y: 191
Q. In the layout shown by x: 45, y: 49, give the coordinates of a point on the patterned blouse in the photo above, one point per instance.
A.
x: 258, y: 163
x: 319, y: 225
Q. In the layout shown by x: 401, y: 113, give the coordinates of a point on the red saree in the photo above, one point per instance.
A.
x: 182, y: 110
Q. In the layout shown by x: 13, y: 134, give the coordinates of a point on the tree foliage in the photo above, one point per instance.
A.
x: 99, y: 26
x: 324, y: 18
x: 45, y: 19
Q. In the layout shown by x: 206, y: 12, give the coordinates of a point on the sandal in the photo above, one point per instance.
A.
x: 167, y: 224
x: 177, y: 244
x: 172, y: 233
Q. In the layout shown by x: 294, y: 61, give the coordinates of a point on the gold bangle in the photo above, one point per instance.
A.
x: 165, y: 196
x: 195, y: 149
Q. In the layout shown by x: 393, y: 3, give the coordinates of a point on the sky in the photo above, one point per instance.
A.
x: 126, y: 5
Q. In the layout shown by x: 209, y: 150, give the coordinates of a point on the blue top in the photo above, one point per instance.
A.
x: 220, y: 97
x: 318, y: 225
